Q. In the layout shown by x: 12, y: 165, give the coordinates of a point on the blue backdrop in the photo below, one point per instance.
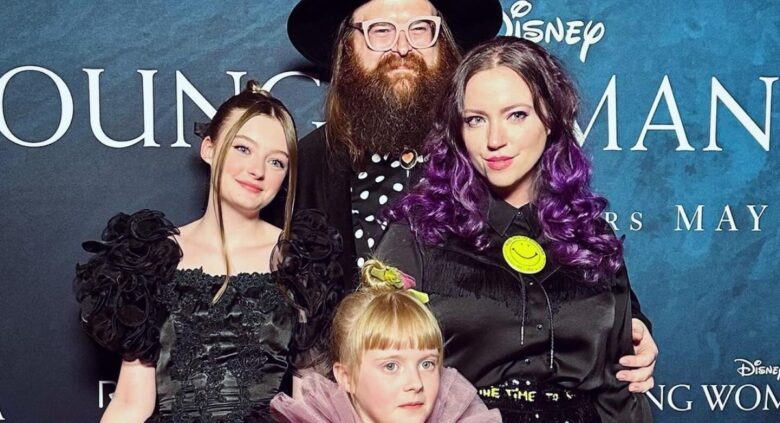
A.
x: 680, y: 114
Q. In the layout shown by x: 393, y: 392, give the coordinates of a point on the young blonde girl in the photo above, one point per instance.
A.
x: 387, y: 353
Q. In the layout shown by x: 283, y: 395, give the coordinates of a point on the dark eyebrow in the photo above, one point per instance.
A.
x: 514, y: 106
x: 503, y: 110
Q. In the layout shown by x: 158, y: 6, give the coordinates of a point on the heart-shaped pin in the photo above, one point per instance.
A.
x: 408, y: 159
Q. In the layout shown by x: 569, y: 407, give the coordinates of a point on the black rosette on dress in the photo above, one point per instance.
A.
x: 306, y: 268
x: 117, y: 289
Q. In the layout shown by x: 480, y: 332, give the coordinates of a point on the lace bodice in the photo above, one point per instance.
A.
x: 222, y: 361
x: 219, y: 362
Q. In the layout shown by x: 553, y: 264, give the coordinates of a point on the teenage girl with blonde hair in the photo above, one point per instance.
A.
x: 207, y: 326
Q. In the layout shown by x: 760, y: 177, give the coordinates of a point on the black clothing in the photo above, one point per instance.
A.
x: 219, y: 362
x: 222, y: 361
x: 324, y: 177
x: 383, y: 181
x: 547, y: 328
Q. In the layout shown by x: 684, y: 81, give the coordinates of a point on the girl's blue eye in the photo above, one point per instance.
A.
x: 391, y: 367
x: 242, y: 149
x: 278, y: 163
x: 428, y: 364
x: 473, y: 121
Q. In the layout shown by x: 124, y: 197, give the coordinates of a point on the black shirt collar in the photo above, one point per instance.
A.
x: 501, y: 215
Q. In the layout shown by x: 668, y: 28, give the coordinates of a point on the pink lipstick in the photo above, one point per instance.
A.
x: 250, y: 187
x: 499, y: 162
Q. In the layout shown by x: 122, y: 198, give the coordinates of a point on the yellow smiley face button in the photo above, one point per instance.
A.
x: 524, y: 255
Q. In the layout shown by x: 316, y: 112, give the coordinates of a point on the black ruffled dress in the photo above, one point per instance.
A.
x: 219, y: 362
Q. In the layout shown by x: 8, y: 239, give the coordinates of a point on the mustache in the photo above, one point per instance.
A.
x: 394, y: 61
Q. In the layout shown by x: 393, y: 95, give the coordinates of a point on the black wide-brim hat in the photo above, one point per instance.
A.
x: 314, y: 24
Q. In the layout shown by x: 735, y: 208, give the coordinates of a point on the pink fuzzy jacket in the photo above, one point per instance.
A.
x: 324, y: 402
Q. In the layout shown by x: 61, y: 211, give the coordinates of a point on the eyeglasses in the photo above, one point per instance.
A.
x: 382, y: 34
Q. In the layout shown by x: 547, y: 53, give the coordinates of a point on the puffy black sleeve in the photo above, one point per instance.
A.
x: 117, y: 289
x: 306, y: 268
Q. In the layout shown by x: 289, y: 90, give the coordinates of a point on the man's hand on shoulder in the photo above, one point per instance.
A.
x: 642, y: 363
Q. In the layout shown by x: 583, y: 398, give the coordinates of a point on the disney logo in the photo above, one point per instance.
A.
x: 536, y: 30
x: 752, y: 368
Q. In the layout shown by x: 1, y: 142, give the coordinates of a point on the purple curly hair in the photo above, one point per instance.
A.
x: 450, y: 197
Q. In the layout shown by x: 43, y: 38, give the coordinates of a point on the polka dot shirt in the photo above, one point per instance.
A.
x: 382, y: 182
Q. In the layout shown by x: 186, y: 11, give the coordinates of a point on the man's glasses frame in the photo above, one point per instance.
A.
x: 364, y: 26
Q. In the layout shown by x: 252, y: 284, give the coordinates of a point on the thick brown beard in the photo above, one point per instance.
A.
x: 388, y: 114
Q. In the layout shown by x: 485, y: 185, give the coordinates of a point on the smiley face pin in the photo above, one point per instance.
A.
x: 524, y: 255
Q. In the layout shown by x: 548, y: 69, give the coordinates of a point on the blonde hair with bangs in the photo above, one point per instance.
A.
x: 380, y: 316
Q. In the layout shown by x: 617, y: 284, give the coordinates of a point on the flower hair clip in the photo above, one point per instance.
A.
x: 398, y: 279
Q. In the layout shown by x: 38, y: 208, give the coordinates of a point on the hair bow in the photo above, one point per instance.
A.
x: 400, y: 280
x: 201, y: 129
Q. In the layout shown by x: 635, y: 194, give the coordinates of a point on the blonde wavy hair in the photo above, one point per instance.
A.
x: 380, y: 316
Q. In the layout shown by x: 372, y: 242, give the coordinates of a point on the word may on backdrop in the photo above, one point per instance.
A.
x: 584, y: 33
x: 690, y: 219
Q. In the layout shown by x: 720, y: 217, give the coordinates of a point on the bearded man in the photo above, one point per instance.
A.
x: 390, y: 61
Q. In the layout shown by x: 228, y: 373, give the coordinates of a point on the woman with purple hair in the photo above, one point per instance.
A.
x: 505, y: 235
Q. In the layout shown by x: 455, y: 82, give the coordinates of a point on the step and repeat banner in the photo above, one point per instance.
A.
x: 681, y: 117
